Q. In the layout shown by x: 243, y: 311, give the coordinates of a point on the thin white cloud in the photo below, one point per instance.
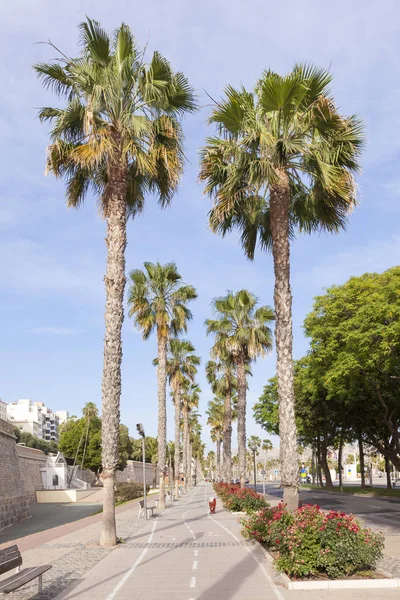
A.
x: 335, y: 269
x: 28, y: 267
x: 55, y: 330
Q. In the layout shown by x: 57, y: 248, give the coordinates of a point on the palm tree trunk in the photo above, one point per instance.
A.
x: 241, y: 411
x: 162, y: 416
x: 114, y: 316
x: 190, y: 464
x: 185, y: 442
x: 226, y: 447
x: 279, y: 214
x: 177, y: 438
x: 218, y: 447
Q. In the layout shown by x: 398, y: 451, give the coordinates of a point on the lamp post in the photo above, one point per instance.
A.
x: 253, y: 448
x: 141, y: 432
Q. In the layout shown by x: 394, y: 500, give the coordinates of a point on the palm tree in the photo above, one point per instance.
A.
x: 243, y: 330
x: 210, y: 463
x: 194, y: 435
x: 119, y: 136
x: 215, y: 419
x: 181, y: 366
x: 221, y: 375
x: 283, y: 159
x: 190, y: 400
x: 235, y: 464
x: 197, y: 447
x: 157, y: 301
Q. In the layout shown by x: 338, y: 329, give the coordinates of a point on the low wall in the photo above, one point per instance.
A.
x: 134, y: 472
x: 14, y: 501
x: 31, y: 460
x: 63, y: 496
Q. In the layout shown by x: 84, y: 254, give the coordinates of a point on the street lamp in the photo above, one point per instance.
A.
x: 253, y: 448
x: 141, y: 432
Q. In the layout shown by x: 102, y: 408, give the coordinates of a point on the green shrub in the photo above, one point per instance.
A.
x: 309, y: 541
x: 237, y: 500
x: 125, y: 491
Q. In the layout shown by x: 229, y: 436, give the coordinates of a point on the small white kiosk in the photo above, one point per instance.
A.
x: 55, y: 473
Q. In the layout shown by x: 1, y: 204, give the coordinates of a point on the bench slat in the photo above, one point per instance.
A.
x: 8, y: 550
x: 12, y: 561
x: 19, y: 579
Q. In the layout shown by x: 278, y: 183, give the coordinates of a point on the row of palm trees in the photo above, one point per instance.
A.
x: 282, y: 160
x: 157, y: 301
x: 242, y: 333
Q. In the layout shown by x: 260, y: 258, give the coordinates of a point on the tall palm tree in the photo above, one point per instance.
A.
x: 283, y: 160
x: 181, y: 366
x: 215, y: 420
x: 243, y: 330
x: 190, y: 400
x: 210, y: 462
x: 119, y: 136
x: 194, y: 435
x: 197, y: 446
x: 221, y: 375
x: 158, y: 301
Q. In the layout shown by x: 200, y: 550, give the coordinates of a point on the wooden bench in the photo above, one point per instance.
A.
x: 141, y: 508
x: 10, y: 558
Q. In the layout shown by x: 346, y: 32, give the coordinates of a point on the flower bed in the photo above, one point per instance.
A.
x: 312, y: 543
x: 238, y: 500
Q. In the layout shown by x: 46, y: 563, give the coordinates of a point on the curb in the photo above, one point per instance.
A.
x: 333, y: 584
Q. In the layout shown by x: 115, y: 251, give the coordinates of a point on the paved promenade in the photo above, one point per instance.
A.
x: 182, y: 554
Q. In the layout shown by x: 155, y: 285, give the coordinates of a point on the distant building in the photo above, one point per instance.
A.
x: 36, y: 418
x: 3, y: 410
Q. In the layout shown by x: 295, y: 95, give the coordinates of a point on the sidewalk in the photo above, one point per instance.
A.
x: 182, y: 554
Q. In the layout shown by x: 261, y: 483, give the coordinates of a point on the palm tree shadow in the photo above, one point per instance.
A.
x: 227, y: 585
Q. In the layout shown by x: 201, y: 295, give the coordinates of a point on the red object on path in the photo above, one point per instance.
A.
x: 212, y: 504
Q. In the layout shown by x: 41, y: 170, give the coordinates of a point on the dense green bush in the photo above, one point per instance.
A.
x: 238, y: 500
x: 125, y: 491
x: 309, y: 541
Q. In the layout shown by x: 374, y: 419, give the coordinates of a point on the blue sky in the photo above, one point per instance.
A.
x: 52, y: 259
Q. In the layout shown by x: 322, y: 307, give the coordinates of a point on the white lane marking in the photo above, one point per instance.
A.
x: 196, y: 552
x: 341, y: 501
x: 373, y: 506
x: 192, y: 582
x: 194, y: 565
x: 133, y: 567
x: 273, y: 586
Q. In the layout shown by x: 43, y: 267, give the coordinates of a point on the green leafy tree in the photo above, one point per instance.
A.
x: 181, y: 366
x: 243, y: 331
x: 31, y: 441
x: 282, y: 161
x: 266, y: 410
x: 355, y: 339
x: 158, y: 302
x: 117, y: 135
x: 83, y: 444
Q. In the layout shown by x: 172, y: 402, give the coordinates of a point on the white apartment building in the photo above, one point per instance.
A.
x: 36, y: 418
x: 3, y: 410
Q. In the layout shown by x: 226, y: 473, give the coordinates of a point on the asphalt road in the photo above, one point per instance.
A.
x: 382, y: 513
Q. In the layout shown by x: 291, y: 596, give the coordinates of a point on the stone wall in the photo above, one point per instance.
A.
x: 14, y: 501
x: 134, y: 472
x: 31, y: 460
